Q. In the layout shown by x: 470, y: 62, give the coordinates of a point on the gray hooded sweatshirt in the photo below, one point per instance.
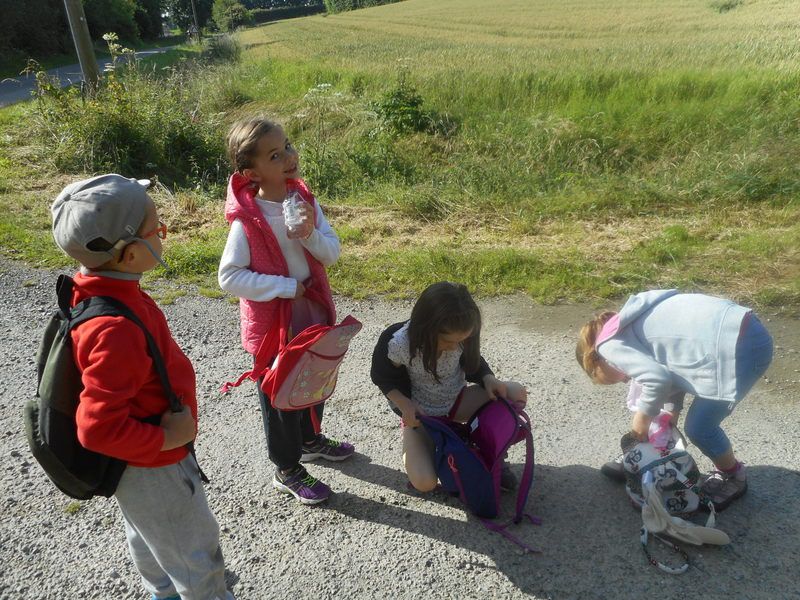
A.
x: 672, y: 343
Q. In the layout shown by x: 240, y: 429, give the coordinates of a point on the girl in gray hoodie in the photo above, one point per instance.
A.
x: 669, y: 344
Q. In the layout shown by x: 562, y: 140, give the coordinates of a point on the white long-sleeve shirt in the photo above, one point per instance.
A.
x: 235, y: 275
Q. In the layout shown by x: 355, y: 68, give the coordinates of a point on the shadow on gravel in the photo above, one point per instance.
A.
x: 361, y: 467
x: 589, y: 534
x: 231, y: 579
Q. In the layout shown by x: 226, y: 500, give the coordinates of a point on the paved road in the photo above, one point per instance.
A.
x: 18, y: 89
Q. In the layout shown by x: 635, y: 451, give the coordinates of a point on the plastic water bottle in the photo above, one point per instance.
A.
x: 291, y: 212
x: 660, y: 431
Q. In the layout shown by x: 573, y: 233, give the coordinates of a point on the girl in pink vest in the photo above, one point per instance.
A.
x: 266, y: 265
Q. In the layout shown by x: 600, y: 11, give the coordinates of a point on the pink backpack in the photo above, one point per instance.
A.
x: 305, y: 371
x: 468, y: 459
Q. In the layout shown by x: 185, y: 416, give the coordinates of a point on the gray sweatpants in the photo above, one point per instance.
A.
x: 172, y: 535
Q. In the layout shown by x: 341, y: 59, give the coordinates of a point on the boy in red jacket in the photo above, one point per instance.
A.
x: 111, y: 226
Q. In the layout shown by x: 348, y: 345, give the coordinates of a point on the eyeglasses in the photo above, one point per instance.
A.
x: 160, y: 231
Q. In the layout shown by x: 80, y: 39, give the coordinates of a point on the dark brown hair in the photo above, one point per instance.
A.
x: 442, y: 308
x: 243, y: 139
x: 586, y: 354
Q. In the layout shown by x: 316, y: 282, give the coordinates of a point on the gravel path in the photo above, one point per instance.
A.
x: 374, y: 539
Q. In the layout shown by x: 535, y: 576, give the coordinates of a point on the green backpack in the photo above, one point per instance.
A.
x: 50, y: 417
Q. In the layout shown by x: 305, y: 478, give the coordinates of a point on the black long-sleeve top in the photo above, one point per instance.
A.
x: 388, y: 377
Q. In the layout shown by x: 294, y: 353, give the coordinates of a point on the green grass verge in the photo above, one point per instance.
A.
x: 571, y: 152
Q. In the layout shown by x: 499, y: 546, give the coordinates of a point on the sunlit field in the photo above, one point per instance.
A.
x: 568, y: 149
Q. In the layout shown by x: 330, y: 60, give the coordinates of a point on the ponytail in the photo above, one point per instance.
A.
x: 585, y: 352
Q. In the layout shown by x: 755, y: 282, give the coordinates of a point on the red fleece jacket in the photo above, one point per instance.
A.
x: 121, y: 386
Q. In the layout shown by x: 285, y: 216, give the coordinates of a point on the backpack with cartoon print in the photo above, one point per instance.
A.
x: 673, y: 468
x: 663, y: 482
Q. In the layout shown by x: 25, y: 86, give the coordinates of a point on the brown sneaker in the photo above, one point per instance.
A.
x: 723, y: 488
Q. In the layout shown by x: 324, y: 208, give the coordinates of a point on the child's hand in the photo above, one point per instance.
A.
x: 300, y: 291
x: 640, y: 425
x: 517, y: 394
x: 411, y: 420
x: 494, y: 387
x: 306, y: 228
x: 179, y: 428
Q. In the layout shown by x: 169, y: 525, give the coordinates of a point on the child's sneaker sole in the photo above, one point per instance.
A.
x: 614, y: 470
x: 287, y: 490
x: 315, y: 455
x: 328, y: 449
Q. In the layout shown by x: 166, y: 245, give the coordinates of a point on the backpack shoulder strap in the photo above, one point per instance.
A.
x: 527, y: 473
x: 64, y: 286
x: 104, y: 306
x: 677, y: 570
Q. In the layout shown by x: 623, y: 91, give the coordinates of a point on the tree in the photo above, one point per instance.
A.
x: 34, y: 27
x: 250, y: 4
x: 230, y: 14
x: 148, y: 18
x: 181, y: 12
x: 105, y: 16
x: 39, y: 27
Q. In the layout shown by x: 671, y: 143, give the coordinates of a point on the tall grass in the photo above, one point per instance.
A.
x: 640, y: 124
x: 141, y: 121
x: 568, y: 149
x: 556, y: 113
x: 555, y: 145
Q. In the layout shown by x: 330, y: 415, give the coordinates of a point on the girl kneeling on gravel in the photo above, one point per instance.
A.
x: 423, y: 365
x: 670, y: 344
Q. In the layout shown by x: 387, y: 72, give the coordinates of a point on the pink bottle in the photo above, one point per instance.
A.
x: 660, y: 431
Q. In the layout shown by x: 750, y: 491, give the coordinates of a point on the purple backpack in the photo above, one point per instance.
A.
x: 469, y: 457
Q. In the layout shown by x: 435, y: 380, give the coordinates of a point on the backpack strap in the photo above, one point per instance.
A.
x: 527, y: 473
x: 268, y: 349
x: 270, y: 346
x: 105, y: 306
x: 488, y: 524
x: 64, y: 287
x: 663, y: 460
x: 502, y: 530
x: 524, y: 489
x: 657, y: 563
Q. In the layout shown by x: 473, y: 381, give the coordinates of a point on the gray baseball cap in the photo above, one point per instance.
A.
x: 94, y: 217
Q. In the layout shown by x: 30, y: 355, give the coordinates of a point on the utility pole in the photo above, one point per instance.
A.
x: 83, y: 43
x: 196, y: 24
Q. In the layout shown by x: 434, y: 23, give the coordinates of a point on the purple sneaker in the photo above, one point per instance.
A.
x: 328, y: 449
x: 301, y: 485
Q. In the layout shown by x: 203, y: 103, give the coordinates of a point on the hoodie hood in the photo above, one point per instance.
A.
x: 241, y: 198
x: 634, y: 307
x: 639, y: 304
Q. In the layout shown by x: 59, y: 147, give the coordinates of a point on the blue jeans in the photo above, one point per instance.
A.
x: 753, y: 357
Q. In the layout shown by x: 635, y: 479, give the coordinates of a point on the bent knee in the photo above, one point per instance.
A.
x: 695, y: 431
x: 712, y: 441
x: 424, y: 484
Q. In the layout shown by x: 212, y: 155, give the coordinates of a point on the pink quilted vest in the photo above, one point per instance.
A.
x: 259, y: 320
